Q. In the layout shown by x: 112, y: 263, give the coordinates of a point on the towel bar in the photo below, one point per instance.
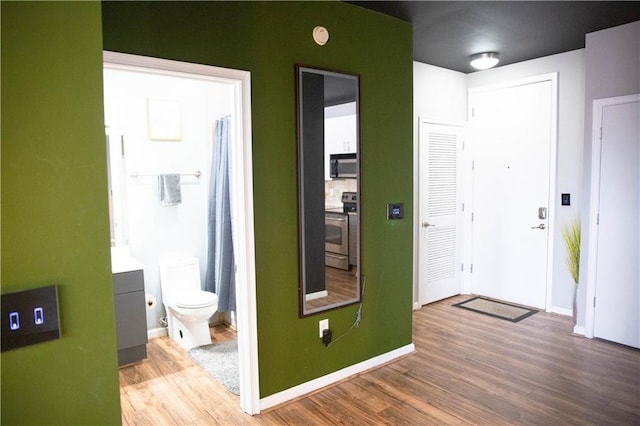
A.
x: 134, y: 175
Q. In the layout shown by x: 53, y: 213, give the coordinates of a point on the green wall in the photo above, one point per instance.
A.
x: 54, y: 212
x: 268, y: 39
x: 55, y: 226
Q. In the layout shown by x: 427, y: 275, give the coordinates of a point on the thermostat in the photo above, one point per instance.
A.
x: 30, y: 317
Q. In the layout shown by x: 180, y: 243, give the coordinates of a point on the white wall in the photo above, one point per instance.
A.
x: 439, y: 94
x: 612, y: 68
x: 157, y: 233
x: 442, y: 94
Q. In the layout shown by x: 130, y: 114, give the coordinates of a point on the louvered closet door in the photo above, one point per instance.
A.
x: 440, y: 211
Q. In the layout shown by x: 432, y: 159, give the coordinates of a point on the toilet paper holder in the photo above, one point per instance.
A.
x: 150, y: 301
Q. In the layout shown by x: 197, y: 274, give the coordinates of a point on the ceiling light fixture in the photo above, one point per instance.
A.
x: 485, y: 60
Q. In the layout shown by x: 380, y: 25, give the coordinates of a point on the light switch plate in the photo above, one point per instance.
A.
x: 30, y: 317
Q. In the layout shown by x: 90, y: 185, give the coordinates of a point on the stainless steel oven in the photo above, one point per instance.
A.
x: 337, y: 240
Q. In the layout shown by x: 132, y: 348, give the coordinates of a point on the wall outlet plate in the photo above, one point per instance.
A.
x: 323, y: 325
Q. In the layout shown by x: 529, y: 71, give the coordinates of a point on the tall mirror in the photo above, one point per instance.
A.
x: 328, y: 189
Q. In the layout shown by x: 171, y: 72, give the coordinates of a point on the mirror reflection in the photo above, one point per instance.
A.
x: 328, y: 166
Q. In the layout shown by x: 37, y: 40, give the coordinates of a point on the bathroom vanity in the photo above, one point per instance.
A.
x: 131, y: 317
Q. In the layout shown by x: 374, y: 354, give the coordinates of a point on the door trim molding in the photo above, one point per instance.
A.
x: 594, y: 202
x: 243, y: 206
x: 553, y: 153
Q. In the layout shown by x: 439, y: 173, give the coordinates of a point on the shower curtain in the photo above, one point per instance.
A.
x: 220, y: 277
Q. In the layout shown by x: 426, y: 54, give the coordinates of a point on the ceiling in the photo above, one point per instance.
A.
x: 447, y: 33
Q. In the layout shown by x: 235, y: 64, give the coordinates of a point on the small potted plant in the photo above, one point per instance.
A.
x: 571, y: 236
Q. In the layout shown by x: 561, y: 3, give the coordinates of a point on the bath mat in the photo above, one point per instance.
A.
x: 496, y: 309
x: 220, y: 360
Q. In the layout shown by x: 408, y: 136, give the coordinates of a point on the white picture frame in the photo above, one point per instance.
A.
x: 164, y: 118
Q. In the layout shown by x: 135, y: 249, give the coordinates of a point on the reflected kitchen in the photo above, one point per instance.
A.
x: 341, y: 196
x: 329, y: 191
x: 341, y: 204
x: 341, y: 224
x: 341, y: 185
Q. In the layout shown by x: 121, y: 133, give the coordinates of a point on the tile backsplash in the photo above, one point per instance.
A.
x: 334, y: 188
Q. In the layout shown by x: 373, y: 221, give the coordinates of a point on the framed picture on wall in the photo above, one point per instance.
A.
x: 164, y: 118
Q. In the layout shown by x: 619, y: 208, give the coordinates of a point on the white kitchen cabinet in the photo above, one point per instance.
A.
x: 340, y: 132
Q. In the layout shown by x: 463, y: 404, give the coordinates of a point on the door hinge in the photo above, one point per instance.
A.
x: 473, y: 165
x: 471, y: 216
x: 594, y: 302
x: 462, y: 267
x: 471, y: 269
x: 600, y: 134
x: 122, y: 146
x: 597, y: 218
x: 462, y: 206
x: 473, y: 111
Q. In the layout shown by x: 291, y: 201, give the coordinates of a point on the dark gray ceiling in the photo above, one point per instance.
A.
x: 446, y: 33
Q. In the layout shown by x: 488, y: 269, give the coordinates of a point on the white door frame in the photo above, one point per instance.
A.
x: 468, y: 241
x: 592, y: 246
x: 242, y: 170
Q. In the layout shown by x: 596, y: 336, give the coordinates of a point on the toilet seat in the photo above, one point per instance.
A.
x: 195, y: 299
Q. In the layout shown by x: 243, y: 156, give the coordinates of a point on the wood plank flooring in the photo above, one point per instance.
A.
x: 468, y: 368
x: 341, y: 286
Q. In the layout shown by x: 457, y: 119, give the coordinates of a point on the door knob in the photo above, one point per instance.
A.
x: 427, y: 224
x: 541, y: 226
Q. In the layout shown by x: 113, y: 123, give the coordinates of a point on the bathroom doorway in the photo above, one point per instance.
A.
x: 160, y: 116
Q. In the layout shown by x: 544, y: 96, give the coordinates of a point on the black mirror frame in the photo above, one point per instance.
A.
x: 302, y: 213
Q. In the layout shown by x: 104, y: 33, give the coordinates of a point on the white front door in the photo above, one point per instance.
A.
x: 617, y: 291
x: 440, y: 215
x: 512, y: 135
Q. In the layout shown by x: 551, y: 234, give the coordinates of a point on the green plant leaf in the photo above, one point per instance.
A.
x: 571, y: 236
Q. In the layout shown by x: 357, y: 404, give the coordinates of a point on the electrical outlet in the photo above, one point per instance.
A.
x: 323, y: 325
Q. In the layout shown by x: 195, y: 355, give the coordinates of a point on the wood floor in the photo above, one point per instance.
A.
x: 341, y: 285
x: 468, y: 368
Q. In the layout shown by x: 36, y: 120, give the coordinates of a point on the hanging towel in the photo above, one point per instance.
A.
x: 169, y: 190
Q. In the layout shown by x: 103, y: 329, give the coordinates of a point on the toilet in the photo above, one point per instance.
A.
x: 188, y: 307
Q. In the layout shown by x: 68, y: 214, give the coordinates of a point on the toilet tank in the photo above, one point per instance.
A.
x: 180, y: 276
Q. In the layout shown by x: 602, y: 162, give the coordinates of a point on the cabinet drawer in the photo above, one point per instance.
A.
x: 126, y: 282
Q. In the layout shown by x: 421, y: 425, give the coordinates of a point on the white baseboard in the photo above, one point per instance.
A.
x: 152, y: 333
x: 316, y: 295
x: 562, y: 311
x: 579, y: 330
x: 416, y: 306
x: 329, y: 379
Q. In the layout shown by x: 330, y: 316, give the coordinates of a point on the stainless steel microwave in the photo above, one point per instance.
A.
x: 343, y: 165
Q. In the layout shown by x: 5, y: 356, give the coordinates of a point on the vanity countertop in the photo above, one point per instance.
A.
x: 122, y: 261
